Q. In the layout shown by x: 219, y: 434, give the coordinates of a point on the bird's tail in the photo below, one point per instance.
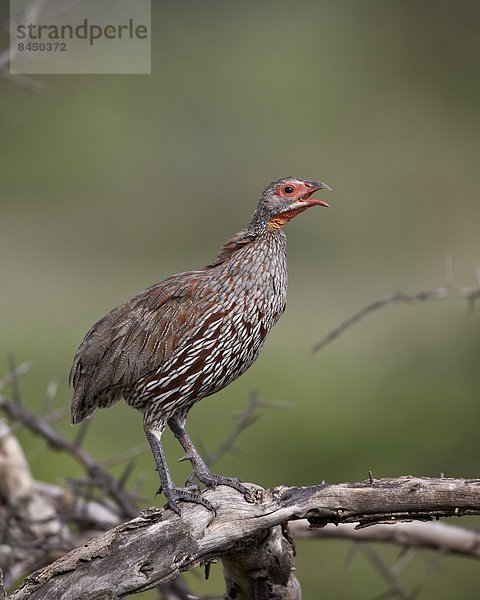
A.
x: 84, y: 405
x: 81, y: 409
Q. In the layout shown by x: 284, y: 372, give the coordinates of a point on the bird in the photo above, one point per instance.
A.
x: 193, y: 334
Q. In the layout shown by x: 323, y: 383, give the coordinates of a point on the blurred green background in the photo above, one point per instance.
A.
x: 115, y: 182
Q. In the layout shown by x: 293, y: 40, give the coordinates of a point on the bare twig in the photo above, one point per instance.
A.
x: 81, y: 433
x: 28, y: 83
x: 246, y: 418
x: 51, y: 394
x: 396, y: 588
x: 446, y: 539
x: 471, y: 294
x: 4, y: 60
x: 14, y: 379
x: 14, y: 374
x: 128, y: 455
x: 32, y: 15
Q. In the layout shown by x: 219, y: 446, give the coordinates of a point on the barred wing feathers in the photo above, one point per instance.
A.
x: 135, y: 339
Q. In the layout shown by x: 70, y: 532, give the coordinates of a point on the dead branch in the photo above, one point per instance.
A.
x: 3, y: 593
x: 471, y: 294
x: 47, y: 538
x: 130, y: 559
x: 446, y: 539
x: 33, y: 532
x: 40, y: 426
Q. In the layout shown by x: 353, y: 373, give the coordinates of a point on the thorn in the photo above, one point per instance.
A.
x: 442, y: 475
x: 183, y: 458
x: 122, y: 480
x: 207, y: 570
x: 51, y: 393
x: 125, y: 456
x: 13, y: 376
x: 370, y: 478
x: 350, y: 556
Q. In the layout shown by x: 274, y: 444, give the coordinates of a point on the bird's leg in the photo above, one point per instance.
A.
x: 200, y: 469
x: 171, y: 491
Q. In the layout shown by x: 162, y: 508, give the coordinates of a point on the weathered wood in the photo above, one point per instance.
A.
x: 3, y: 593
x: 158, y: 545
x: 264, y: 570
x: 30, y: 516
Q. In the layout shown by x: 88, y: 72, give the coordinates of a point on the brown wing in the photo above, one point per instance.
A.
x: 231, y: 246
x: 135, y: 339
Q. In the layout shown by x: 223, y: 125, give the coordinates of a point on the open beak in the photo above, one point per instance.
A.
x: 314, y: 186
x: 305, y: 200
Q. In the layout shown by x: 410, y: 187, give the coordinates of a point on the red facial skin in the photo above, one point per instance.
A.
x: 300, y: 194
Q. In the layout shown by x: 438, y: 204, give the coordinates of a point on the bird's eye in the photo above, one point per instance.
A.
x: 288, y: 189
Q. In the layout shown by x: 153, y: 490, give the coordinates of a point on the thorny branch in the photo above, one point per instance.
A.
x: 471, y: 294
x: 194, y: 538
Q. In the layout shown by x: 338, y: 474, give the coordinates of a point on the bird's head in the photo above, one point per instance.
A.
x: 286, y: 198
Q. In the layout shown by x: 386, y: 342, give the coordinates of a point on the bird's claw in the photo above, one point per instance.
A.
x: 212, y: 481
x: 174, y: 494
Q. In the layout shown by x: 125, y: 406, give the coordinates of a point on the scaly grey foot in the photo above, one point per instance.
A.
x: 174, y: 494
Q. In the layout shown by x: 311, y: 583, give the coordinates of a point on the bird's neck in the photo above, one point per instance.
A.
x: 253, y: 238
x: 259, y: 223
